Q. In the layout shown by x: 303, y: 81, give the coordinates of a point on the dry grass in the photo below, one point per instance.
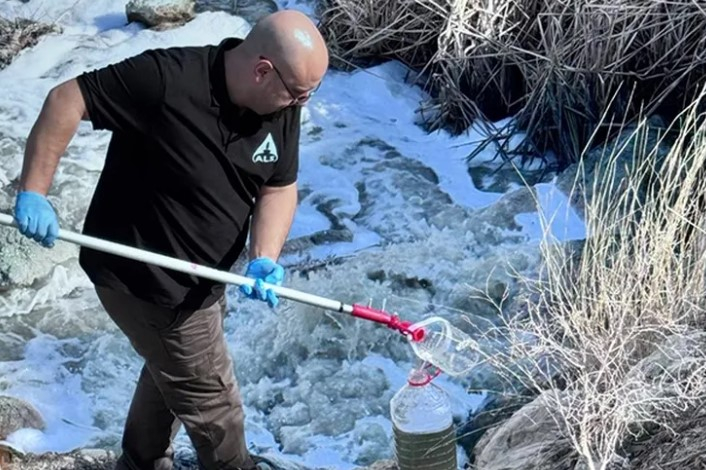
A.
x: 636, y: 290
x: 559, y: 66
x: 575, y: 72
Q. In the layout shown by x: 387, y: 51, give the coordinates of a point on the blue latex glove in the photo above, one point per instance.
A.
x: 36, y: 218
x: 263, y: 270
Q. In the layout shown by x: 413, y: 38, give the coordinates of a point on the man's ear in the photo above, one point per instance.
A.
x: 261, y: 69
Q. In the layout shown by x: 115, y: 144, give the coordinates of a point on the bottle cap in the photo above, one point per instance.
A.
x: 421, y: 377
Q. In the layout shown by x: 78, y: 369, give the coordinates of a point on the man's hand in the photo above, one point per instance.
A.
x: 263, y: 270
x: 36, y: 218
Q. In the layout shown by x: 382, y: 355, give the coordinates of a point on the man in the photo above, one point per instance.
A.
x: 204, y: 151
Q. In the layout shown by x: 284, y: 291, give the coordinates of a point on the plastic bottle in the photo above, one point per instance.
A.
x: 444, y: 346
x: 422, y: 424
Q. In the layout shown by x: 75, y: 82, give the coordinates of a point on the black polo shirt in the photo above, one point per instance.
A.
x: 182, y: 171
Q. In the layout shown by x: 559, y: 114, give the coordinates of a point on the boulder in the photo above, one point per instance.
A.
x: 24, y: 261
x: 82, y: 459
x: 664, y: 388
x: 160, y: 14
x: 530, y: 440
x: 17, y: 414
x: 8, y: 455
x: 496, y: 408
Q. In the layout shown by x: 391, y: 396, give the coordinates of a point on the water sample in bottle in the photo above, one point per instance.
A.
x: 422, y: 424
x: 444, y: 346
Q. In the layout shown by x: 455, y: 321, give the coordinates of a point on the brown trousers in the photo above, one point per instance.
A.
x: 187, y: 379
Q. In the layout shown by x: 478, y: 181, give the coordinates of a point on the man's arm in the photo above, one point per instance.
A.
x: 122, y: 96
x: 56, y: 125
x: 272, y: 219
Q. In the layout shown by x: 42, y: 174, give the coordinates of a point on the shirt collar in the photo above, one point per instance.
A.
x: 217, y: 74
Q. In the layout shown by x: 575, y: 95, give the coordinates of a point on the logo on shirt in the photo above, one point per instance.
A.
x: 266, y: 152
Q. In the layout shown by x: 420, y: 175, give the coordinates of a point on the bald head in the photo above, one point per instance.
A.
x: 292, y: 41
x: 279, y: 63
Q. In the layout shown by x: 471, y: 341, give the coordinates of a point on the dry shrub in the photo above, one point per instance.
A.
x: 369, y: 31
x: 19, y: 34
x: 636, y: 291
x: 559, y: 66
x: 678, y: 449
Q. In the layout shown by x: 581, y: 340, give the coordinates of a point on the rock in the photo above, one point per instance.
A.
x: 19, y: 34
x: 679, y: 448
x: 17, y: 414
x: 95, y: 454
x: 250, y: 10
x: 676, y: 368
x: 502, y: 213
x: 506, y: 392
x: 529, y: 440
x: 185, y: 459
x: 24, y: 261
x: 496, y: 408
x: 676, y: 357
x: 381, y: 465
x: 160, y: 14
x: 654, y: 391
x: 99, y: 459
x: 8, y: 454
x: 82, y: 459
x: 630, y: 149
x: 12, y: 346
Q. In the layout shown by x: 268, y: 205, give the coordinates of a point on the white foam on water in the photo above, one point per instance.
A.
x: 67, y: 359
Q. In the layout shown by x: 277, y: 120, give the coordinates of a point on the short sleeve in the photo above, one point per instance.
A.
x: 126, y: 95
x: 287, y: 168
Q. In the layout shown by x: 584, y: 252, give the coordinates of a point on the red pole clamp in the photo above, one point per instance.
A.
x: 392, y: 321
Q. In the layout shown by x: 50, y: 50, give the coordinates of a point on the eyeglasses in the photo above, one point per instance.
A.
x: 295, y: 100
